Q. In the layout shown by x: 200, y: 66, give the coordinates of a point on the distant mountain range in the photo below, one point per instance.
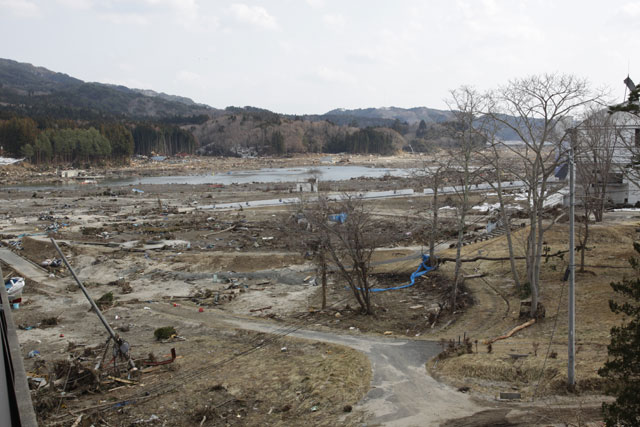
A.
x: 38, y: 91
x: 408, y: 115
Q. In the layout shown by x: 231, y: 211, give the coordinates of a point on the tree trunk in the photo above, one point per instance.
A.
x: 535, y: 283
x: 323, y: 274
x: 512, y: 259
x: 506, y: 222
x: 434, y: 227
x: 366, y: 295
x: 456, y: 276
x: 583, y: 243
x: 532, y: 256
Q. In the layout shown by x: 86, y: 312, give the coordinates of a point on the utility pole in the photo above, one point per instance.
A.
x: 121, y: 347
x: 571, y: 375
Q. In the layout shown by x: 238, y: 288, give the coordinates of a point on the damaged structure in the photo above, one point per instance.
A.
x: 309, y: 185
x: 16, y: 408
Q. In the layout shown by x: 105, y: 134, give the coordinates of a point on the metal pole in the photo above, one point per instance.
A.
x: 86, y: 294
x: 571, y: 380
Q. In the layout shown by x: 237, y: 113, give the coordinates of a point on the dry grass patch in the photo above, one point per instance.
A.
x: 607, y: 261
x: 286, y: 382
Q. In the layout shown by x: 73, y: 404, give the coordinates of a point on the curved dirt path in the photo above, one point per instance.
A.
x: 402, y: 393
x: 486, y: 314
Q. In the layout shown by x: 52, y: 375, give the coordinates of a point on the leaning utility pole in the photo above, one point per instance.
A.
x: 120, y: 346
x: 571, y: 380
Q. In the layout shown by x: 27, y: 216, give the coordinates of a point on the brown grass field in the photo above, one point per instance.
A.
x: 534, y: 360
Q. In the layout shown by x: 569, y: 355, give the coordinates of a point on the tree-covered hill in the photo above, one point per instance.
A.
x: 409, y: 115
x: 37, y: 91
x: 48, y: 116
x: 256, y: 131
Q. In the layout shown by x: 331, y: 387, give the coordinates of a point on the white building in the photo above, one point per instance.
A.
x: 307, y: 186
x: 623, y: 132
x: 69, y: 173
x: 625, y: 188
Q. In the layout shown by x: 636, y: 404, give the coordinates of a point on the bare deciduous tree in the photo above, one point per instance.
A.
x: 536, y: 109
x: 347, y: 240
x: 495, y: 161
x: 466, y: 104
x: 594, y: 145
x: 432, y: 177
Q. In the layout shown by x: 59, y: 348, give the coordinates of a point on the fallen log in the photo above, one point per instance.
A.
x: 511, y: 332
x: 253, y: 310
x: 488, y: 258
x: 121, y: 380
x: 220, y: 231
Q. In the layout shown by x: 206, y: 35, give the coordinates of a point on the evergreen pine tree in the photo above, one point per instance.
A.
x: 623, y: 365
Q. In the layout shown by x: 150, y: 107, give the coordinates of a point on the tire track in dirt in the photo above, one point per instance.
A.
x: 489, y: 310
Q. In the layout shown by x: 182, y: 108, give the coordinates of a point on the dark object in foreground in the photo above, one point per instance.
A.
x: 161, y: 362
x: 165, y: 333
x: 622, y: 368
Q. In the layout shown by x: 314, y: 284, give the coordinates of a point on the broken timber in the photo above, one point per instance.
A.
x: 511, y: 332
x: 220, y: 231
x: 253, y: 310
x: 505, y: 258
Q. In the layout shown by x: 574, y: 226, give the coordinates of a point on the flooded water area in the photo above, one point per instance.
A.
x: 265, y: 175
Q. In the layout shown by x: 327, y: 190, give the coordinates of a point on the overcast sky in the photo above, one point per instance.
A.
x: 310, y: 56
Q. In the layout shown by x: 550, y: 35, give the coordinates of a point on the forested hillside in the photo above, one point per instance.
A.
x: 36, y: 91
x: 67, y: 141
x: 408, y: 115
x: 50, y: 117
x: 261, y: 132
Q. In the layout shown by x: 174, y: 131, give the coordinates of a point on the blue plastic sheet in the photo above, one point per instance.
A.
x: 423, y: 269
x: 341, y: 218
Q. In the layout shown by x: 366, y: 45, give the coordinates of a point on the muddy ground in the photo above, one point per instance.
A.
x: 159, y: 249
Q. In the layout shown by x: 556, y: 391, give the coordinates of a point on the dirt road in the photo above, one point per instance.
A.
x: 402, y: 393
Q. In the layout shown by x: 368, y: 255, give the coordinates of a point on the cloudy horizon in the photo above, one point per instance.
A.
x: 309, y: 57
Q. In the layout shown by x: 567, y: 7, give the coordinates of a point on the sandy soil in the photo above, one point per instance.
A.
x: 157, y: 249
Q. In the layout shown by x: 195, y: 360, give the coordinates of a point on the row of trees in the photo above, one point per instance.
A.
x: 22, y: 137
x: 367, y: 141
x: 167, y: 140
x: 65, y: 141
x: 68, y: 145
x: 606, y: 148
x: 539, y: 110
x: 550, y: 114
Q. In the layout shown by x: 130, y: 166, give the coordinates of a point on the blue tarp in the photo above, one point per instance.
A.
x: 422, y: 270
x: 341, y: 218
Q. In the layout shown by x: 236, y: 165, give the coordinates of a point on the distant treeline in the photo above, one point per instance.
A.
x: 66, y: 141
x: 366, y: 141
x: 260, y: 114
x: 162, y: 139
